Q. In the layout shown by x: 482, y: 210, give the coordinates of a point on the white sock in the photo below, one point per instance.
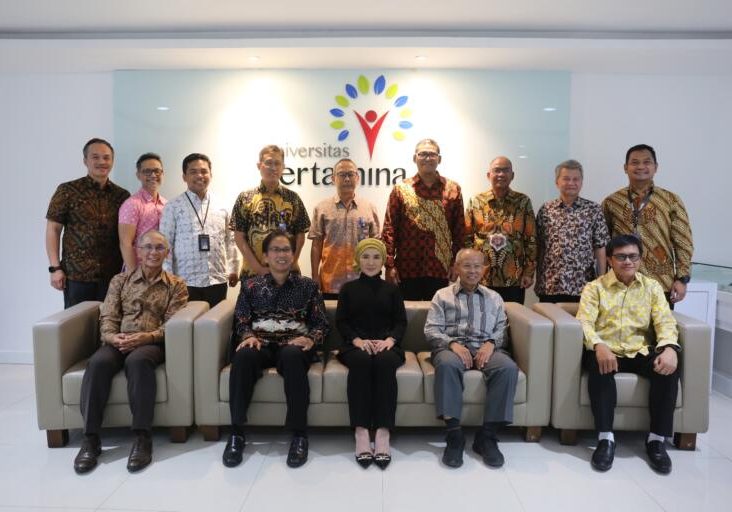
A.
x: 655, y: 437
x: 606, y: 435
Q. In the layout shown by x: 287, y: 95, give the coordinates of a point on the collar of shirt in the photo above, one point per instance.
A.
x: 138, y: 276
x: 417, y: 181
x: 263, y: 190
x: 292, y: 278
x: 337, y: 201
x: 510, y: 197
x: 610, y: 280
x: 91, y: 183
x: 197, y: 200
x: 558, y: 203
x: 635, y: 194
x: 148, y: 198
x: 457, y: 287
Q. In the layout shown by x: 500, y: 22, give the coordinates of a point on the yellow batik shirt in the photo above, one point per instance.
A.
x: 628, y: 319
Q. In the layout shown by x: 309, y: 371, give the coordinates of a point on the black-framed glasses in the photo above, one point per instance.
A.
x: 622, y: 257
x: 151, y: 172
x: 349, y: 174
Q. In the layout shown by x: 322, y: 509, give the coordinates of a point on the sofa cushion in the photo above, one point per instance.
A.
x: 474, y: 390
x: 410, y: 381
x: 270, y: 388
x: 632, y: 390
x: 71, y: 385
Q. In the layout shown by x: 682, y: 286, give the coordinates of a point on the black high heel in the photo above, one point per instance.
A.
x: 382, y: 460
x: 365, y: 459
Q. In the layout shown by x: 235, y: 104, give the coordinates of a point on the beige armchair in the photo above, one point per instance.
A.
x: 62, y: 345
x: 571, y: 401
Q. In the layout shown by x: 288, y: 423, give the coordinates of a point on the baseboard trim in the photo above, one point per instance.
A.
x: 722, y: 383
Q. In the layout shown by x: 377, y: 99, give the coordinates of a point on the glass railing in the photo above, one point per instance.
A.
x: 714, y: 273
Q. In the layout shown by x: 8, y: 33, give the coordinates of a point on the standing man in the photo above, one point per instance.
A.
x: 658, y: 218
x: 424, y: 227
x: 501, y: 224
x: 142, y: 211
x: 572, y: 235
x: 197, y: 227
x: 267, y: 208
x: 279, y: 320
x: 628, y: 327
x: 85, y: 210
x: 132, y: 330
x: 339, y: 223
x: 466, y: 326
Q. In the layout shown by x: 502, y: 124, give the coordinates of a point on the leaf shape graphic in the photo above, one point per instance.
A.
x: 363, y: 84
x: 379, y: 84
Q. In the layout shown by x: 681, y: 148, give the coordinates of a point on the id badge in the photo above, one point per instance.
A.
x: 204, y: 243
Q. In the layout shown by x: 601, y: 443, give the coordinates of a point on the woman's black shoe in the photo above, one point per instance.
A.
x: 382, y: 460
x: 365, y: 459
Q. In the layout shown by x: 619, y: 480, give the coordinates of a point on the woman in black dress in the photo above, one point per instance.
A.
x: 371, y: 319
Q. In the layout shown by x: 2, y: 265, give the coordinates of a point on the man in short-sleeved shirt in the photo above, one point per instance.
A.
x: 85, y: 211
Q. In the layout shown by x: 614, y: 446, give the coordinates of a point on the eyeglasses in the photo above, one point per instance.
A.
x: 151, y: 172
x: 151, y: 247
x: 622, y: 257
x: 280, y: 250
x: 344, y: 175
x: 501, y: 170
x: 275, y: 164
x: 428, y: 154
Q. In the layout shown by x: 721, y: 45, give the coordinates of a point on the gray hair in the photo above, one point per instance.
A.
x: 568, y: 164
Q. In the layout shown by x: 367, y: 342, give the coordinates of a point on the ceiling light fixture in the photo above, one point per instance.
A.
x: 162, y: 109
x: 550, y: 109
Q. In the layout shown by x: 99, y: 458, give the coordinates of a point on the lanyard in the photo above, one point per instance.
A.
x: 637, y: 211
x: 205, y: 215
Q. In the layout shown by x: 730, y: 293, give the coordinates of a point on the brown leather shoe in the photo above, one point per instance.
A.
x: 141, y: 454
x: 86, y: 459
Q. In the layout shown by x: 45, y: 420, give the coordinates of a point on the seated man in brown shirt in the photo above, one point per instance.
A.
x: 132, y: 329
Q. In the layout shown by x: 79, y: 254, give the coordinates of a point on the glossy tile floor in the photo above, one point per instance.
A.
x: 541, y: 477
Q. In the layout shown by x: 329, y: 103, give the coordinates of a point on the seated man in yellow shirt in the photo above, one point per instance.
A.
x: 620, y: 312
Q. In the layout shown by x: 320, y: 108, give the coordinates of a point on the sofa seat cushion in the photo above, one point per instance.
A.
x: 632, y: 390
x: 71, y: 385
x: 474, y: 385
x: 410, y: 381
x: 270, y: 388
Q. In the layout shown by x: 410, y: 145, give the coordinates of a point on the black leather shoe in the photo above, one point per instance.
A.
x: 382, y: 460
x: 298, y: 454
x: 603, y: 456
x: 453, y: 455
x: 365, y: 459
x: 86, y: 459
x: 658, y: 457
x: 233, y: 453
x: 140, y: 455
x: 487, y: 447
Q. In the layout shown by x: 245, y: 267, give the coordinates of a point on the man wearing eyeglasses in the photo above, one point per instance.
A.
x: 141, y: 212
x: 339, y: 223
x: 132, y: 330
x: 267, y: 208
x: 628, y: 327
x: 424, y: 227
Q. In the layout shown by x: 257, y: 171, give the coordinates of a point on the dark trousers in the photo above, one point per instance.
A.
x: 79, y: 291
x: 559, y: 298
x: 139, y: 366
x: 372, y: 387
x: 212, y: 294
x: 421, y: 288
x: 510, y: 293
x: 246, y: 369
x: 603, y: 394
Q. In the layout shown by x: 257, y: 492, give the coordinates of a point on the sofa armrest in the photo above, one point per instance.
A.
x: 179, y: 362
x: 211, y: 337
x: 60, y: 341
x: 695, y: 338
x: 532, y: 345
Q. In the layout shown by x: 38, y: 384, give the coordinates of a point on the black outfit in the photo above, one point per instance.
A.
x: 372, y: 309
x: 603, y: 394
x: 212, y: 294
x: 421, y: 288
x: 558, y: 298
x: 510, y: 293
x: 79, y: 291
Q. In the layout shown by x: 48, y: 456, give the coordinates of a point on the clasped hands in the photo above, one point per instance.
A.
x: 303, y: 342
x: 664, y: 364
x: 482, y: 356
x: 373, y: 346
x: 127, y: 342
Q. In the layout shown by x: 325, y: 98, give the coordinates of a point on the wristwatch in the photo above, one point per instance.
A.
x: 53, y: 269
x: 684, y: 279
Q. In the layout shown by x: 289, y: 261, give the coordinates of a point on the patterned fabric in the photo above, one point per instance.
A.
x: 505, y: 231
x: 341, y: 229
x: 471, y: 319
x: 567, y: 239
x: 90, y: 242
x: 257, y: 213
x: 133, y: 305
x: 423, y: 227
x: 142, y: 211
x: 663, y: 227
x: 277, y: 313
x: 628, y: 319
x: 181, y: 227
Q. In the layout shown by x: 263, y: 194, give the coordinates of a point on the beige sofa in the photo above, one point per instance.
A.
x: 571, y: 401
x: 532, y: 349
x: 62, y: 345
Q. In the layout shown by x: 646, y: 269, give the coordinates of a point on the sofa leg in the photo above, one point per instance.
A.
x: 568, y: 436
x: 178, y: 434
x: 57, y: 438
x: 685, y: 441
x: 532, y: 434
x: 210, y: 432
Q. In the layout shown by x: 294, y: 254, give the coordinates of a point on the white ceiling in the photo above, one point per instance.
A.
x: 637, y: 36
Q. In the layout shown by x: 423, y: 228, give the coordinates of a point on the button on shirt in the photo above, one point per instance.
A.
x: 341, y: 228
x: 468, y: 318
x: 142, y: 211
x: 626, y: 317
x: 135, y: 305
x: 568, y: 237
x: 181, y: 227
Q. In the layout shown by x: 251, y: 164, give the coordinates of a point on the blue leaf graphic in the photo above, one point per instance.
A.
x: 336, y: 112
x: 343, y: 135
x: 405, y: 124
x: 379, y: 84
x: 400, y: 101
x: 351, y: 91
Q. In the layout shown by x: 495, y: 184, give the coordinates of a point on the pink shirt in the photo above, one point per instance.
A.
x: 140, y: 210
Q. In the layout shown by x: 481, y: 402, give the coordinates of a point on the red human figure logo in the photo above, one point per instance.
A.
x: 371, y: 124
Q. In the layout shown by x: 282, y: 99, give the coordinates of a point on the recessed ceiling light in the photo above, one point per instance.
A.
x: 254, y: 58
x: 550, y: 109
x: 523, y: 157
x: 162, y: 109
x: 420, y: 58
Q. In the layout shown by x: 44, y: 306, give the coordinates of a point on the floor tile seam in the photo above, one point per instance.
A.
x: 256, y: 478
x: 629, y: 476
x: 16, y: 402
x: 124, y: 481
x: 515, y: 492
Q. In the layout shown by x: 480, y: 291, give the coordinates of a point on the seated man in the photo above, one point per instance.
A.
x: 278, y: 320
x: 132, y: 329
x: 466, y: 326
x: 628, y: 327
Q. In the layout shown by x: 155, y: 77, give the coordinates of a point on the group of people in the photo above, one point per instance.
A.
x: 467, y: 261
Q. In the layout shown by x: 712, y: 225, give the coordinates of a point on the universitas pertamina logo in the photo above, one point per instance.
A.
x: 373, y: 109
